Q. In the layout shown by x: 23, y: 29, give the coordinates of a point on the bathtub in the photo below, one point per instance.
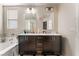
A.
x: 8, y: 45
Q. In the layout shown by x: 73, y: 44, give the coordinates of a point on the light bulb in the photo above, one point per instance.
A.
x: 33, y: 11
x: 28, y: 10
x: 49, y: 9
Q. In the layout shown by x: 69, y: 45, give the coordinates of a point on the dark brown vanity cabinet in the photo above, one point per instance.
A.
x: 40, y: 45
x: 27, y: 45
x: 52, y: 45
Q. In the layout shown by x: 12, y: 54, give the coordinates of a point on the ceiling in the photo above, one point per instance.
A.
x: 33, y: 4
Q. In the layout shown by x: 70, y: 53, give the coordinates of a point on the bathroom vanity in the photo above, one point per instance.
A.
x: 40, y: 44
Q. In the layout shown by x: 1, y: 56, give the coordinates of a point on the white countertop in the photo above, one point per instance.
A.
x: 41, y: 34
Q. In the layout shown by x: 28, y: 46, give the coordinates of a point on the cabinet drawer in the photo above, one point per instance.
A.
x: 39, y: 49
x: 39, y: 44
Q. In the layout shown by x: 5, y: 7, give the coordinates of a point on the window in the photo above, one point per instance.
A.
x: 12, y: 24
x: 12, y: 19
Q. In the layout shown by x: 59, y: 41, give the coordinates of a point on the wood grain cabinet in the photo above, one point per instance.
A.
x: 40, y: 45
x: 52, y: 45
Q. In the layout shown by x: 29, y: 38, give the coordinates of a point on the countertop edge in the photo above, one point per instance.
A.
x: 40, y: 34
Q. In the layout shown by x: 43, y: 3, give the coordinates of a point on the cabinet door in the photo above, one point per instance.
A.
x: 23, y: 43
x: 47, y: 43
x: 52, y: 43
x: 56, y: 43
x: 31, y: 43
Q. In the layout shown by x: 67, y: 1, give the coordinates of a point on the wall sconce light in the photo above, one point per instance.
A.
x: 49, y: 8
x: 30, y: 10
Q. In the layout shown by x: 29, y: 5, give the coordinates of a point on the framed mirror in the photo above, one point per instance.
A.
x: 30, y: 19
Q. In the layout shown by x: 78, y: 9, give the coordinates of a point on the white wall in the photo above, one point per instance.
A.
x: 21, y: 20
x: 67, y: 26
x: 1, y: 22
x: 77, y: 26
x: 0, y: 19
